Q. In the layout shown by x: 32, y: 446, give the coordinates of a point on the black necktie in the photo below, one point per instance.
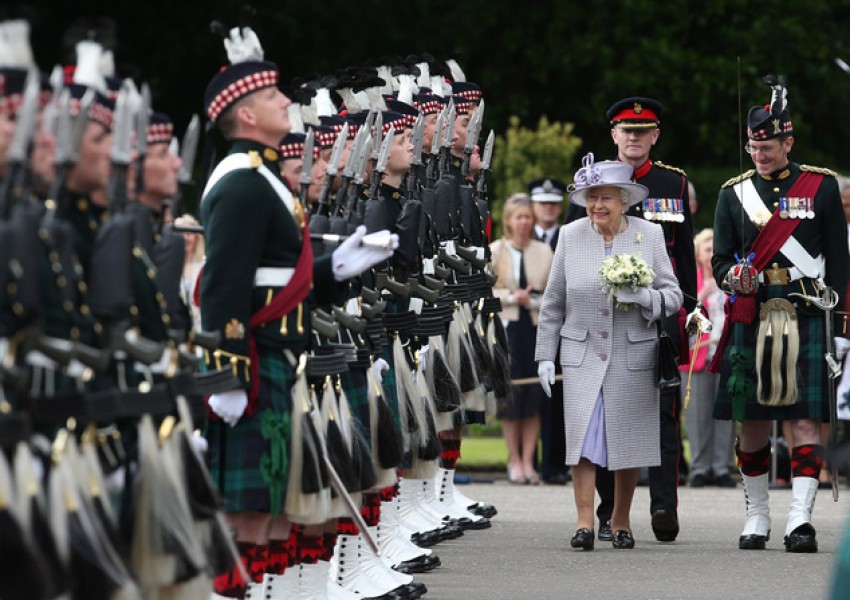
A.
x: 523, y: 282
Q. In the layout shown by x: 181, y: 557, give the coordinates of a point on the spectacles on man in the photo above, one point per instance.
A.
x: 767, y: 150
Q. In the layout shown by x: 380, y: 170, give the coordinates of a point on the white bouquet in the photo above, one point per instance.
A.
x: 625, y: 272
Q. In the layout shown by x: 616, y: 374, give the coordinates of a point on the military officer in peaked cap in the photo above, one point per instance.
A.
x: 635, y: 129
x: 785, y: 220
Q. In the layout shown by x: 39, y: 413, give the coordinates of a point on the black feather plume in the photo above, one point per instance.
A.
x: 447, y: 394
x: 389, y: 444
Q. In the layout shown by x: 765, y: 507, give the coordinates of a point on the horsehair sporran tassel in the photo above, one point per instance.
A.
x: 386, y: 447
x: 404, y: 386
x: 779, y: 324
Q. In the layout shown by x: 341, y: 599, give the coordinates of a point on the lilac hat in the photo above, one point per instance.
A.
x: 608, y: 173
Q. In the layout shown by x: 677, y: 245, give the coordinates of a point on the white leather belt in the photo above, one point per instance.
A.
x: 273, y: 276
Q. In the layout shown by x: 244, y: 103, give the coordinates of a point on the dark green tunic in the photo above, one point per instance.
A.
x: 825, y: 235
x: 247, y: 226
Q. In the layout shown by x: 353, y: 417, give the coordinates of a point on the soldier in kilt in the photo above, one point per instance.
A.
x: 780, y: 224
x: 257, y: 282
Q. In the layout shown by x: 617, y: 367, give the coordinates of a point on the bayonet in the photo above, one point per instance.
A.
x: 448, y: 126
x: 488, y: 151
x: 188, y: 149
x: 417, y: 138
x: 51, y: 111
x: 25, y: 123
x: 486, y: 157
x: 307, y: 166
x: 17, y: 178
x: 122, y: 127
x: 333, y: 164
x: 380, y: 167
x: 357, y: 148
x: 473, y: 130
x: 120, y: 154
x: 79, y: 128
x: 336, y: 151
x: 431, y: 172
x: 378, y: 129
x: 448, y: 132
x: 363, y: 159
x: 142, y: 120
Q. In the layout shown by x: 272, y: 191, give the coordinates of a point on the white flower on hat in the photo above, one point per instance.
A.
x: 88, y: 71
x: 243, y: 46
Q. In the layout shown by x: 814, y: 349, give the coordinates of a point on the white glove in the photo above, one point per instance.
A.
x: 640, y: 297
x: 243, y: 46
x: 423, y: 357
x: 378, y: 369
x: 356, y: 254
x: 229, y: 406
x: 842, y: 345
x: 200, y: 443
x: 546, y: 373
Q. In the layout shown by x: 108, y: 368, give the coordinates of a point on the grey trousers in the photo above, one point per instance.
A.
x: 711, y: 441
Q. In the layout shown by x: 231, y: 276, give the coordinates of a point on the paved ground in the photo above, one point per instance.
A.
x: 526, y: 554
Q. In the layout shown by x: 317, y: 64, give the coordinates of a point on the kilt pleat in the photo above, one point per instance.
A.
x: 812, y: 399
x: 237, y: 454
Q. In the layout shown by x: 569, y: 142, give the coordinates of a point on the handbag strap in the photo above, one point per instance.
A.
x: 661, y: 318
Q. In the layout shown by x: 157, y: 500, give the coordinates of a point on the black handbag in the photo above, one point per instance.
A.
x: 667, y: 359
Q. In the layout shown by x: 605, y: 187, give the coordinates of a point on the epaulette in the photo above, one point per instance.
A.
x: 820, y: 170
x: 739, y: 178
x: 670, y: 168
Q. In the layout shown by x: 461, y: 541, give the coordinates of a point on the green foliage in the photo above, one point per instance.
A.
x: 523, y: 154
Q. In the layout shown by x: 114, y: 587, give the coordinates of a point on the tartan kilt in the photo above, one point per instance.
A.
x: 388, y: 385
x: 354, y: 384
x: 236, y: 454
x: 812, y: 393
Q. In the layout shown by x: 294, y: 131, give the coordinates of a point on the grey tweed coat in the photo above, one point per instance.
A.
x: 606, y: 348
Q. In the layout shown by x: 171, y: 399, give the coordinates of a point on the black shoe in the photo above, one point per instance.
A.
x: 421, y: 564
x: 802, y: 539
x: 725, y: 481
x: 665, y: 525
x: 623, y: 540
x: 753, y: 541
x: 557, y: 479
x: 700, y: 480
x: 582, y: 539
x: 605, y: 534
x: 482, y: 509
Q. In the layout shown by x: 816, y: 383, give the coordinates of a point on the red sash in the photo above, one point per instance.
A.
x: 767, y: 243
x: 283, y: 303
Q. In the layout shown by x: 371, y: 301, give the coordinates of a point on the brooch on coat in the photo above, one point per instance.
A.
x: 638, y: 237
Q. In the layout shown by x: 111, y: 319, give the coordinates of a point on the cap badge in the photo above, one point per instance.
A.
x: 547, y: 186
x: 638, y: 108
x: 777, y: 126
x: 254, y: 159
x: 234, y: 330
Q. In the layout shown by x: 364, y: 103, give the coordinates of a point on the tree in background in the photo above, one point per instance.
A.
x: 523, y: 154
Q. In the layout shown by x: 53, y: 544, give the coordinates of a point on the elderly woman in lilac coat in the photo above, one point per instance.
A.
x: 607, y: 353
